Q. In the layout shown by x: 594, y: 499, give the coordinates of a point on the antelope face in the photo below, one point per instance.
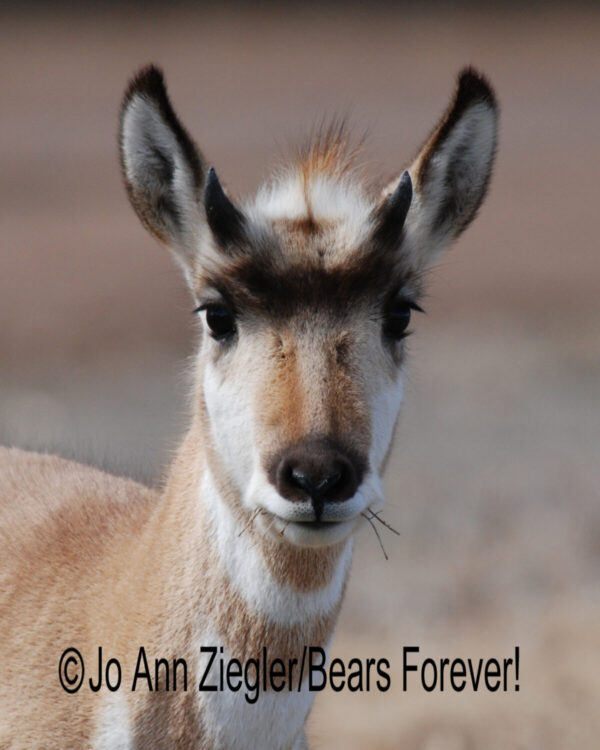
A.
x: 305, y: 296
x: 302, y: 346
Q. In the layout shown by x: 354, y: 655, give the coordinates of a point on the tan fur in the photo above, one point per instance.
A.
x: 63, y: 528
x: 284, y: 389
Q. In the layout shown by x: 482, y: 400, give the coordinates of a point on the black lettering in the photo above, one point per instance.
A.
x: 252, y: 687
x: 98, y: 685
x: 337, y: 671
x: 213, y: 651
x: 157, y: 684
x: 176, y: 664
x: 113, y: 686
x: 292, y: 663
x: 139, y: 673
x: 492, y: 672
x: 234, y: 670
x: 385, y: 675
x: 443, y: 664
x: 458, y: 671
x: 355, y: 676
x: 319, y: 668
x: 277, y: 672
x: 405, y: 666
x: 474, y: 679
x: 431, y: 686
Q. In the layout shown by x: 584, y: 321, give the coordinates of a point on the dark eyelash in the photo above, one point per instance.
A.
x: 208, y: 304
x: 412, y: 306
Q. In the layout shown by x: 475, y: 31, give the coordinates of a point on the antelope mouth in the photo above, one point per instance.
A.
x: 306, y: 523
x: 308, y: 532
x: 316, y: 525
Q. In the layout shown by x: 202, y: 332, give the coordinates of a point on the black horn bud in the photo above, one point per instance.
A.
x: 391, y: 214
x: 224, y: 219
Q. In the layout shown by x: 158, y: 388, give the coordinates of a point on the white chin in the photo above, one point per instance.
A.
x: 308, y: 534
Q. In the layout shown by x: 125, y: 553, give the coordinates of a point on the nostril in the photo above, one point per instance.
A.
x: 329, y: 483
x: 316, y: 487
x: 299, y: 479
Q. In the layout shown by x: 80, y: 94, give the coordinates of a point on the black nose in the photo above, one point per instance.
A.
x: 319, y: 470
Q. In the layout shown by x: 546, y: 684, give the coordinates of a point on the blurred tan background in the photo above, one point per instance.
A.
x: 494, y: 483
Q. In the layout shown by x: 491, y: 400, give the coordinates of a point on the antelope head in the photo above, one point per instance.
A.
x: 305, y: 294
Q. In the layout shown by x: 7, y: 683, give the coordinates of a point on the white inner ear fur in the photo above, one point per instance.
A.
x: 461, y: 165
x: 144, y: 133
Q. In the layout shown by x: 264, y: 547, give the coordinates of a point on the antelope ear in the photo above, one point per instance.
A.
x: 163, y: 170
x: 452, y: 171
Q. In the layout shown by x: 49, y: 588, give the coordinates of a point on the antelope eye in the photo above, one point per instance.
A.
x: 220, y: 320
x: 396, y: 320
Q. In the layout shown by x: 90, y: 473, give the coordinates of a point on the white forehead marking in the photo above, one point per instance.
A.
x: 331, y: 200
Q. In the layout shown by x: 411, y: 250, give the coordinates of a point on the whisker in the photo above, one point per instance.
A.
x: 271, y: 522
x: 385, y: 523
x: 376, y: 534
x: 250, y: 520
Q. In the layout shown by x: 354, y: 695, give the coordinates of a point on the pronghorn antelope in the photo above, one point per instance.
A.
x: 304, y: 294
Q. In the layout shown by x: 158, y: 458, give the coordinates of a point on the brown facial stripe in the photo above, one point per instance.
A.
x: 314, y: 390
x: 348, y: 412
x: 282, y: 400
